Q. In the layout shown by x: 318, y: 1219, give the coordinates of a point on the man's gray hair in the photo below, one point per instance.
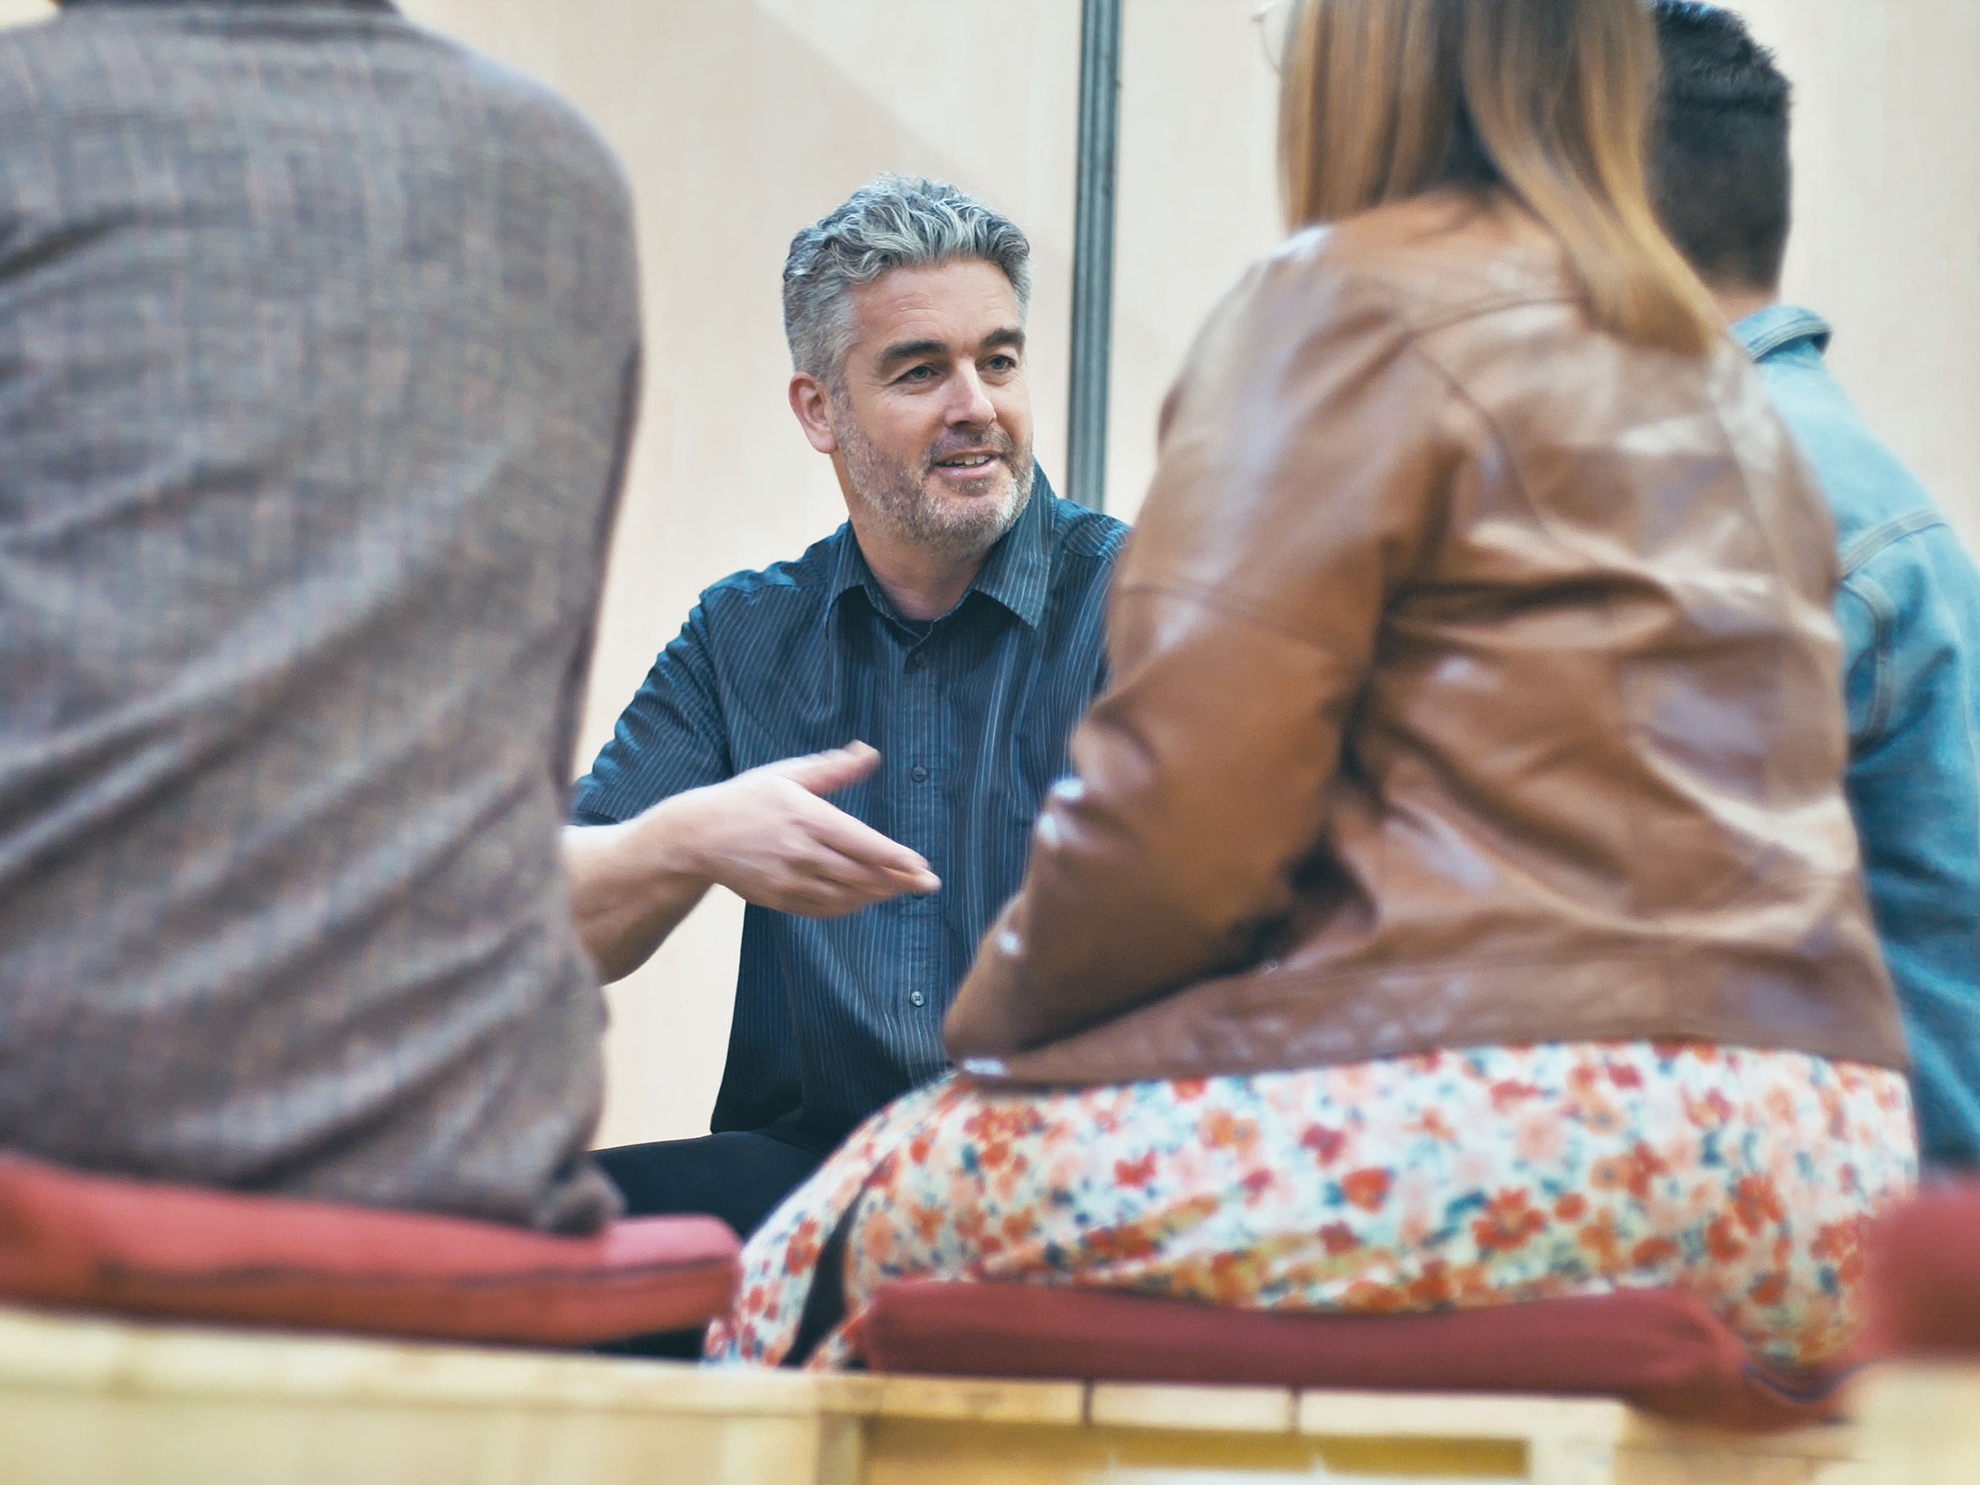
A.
x: 896, y: 222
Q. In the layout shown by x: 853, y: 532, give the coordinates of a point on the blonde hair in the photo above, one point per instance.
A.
x: 1548, y: 100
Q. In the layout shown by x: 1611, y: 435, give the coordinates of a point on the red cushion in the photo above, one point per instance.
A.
x: 1657, y: 1348
x: 136, y: 1247
x: 1925, y: 1274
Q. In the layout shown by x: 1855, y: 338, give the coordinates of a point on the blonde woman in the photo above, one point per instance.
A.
x: 1454, y: 902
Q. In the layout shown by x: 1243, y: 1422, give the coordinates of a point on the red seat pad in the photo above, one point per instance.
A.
x: 1659, y: 1349
x: 1925, y: 1274
x: 138, y: 1247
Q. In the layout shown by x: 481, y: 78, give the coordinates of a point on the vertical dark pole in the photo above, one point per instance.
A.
x: 1093, y: 249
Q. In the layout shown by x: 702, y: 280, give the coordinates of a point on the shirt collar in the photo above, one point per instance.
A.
x: 1018, y: 570
x: 1017, y: 574
x: 1778, y: 326
x: 849, y: 571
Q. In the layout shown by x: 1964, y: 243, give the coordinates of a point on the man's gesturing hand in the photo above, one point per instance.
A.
x: 769, y: 838
x: 765, y: 835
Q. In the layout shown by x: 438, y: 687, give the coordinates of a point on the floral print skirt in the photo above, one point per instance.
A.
x: 1412, y: 1183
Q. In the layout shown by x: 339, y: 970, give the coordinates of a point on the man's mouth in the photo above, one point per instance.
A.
x: 966, y: 461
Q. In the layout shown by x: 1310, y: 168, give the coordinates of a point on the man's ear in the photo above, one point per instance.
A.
x: 813, y: 406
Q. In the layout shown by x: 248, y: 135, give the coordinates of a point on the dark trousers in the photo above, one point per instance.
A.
x: 737, y: 1176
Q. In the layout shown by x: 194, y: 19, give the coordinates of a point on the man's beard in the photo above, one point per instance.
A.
x: 959, y: 526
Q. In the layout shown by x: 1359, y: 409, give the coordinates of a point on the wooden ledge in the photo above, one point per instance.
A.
x: 51, y: 1352
x: 946, y: 1399
x: 1464, y: 1415
x: 1921, y: 1421
x: 1199, y: 1409
x: 89, y: 1399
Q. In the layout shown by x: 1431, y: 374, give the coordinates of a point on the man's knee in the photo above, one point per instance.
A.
x: 738, y: 1176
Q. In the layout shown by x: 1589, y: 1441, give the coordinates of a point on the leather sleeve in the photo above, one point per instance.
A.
x: 1300, y: 475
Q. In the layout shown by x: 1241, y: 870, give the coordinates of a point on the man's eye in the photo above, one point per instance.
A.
x: 1003, y: 363
x: 917, y: 373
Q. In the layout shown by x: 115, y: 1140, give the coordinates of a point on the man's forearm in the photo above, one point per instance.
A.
x: 767, y: 835
x: 632, y: 883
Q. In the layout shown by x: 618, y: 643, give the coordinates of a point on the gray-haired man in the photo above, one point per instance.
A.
x: 954, y: 624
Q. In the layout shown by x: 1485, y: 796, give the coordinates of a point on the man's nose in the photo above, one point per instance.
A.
x: 969, y: 401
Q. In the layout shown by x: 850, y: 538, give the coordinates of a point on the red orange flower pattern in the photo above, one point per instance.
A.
x: 1454, y: 1178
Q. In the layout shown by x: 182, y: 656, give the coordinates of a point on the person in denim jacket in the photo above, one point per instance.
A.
x: 1909, y: 600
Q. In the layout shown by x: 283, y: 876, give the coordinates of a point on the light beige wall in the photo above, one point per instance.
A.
x: 1887, y: 217
x: 1197, y: 201
x: 739, y: 120
x: 1886, y: 241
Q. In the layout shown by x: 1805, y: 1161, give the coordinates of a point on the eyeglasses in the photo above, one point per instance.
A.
x: 1274, y: 20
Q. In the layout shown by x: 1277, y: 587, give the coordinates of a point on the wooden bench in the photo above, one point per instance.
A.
x: 1921, y: 1421
x: 85, y: 1400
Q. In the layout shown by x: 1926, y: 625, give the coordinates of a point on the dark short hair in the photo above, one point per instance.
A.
x: 1719, y: 160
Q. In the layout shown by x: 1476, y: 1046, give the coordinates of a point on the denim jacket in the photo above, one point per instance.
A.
x: 1909, y: 609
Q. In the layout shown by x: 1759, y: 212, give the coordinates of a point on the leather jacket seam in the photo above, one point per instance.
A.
x: 1501, y: 444
x: 1292, y: 974
x: 1478, y: 308
x: 1214, y: 597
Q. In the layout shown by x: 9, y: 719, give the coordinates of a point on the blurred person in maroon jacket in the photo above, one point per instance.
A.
x: 319, y: 359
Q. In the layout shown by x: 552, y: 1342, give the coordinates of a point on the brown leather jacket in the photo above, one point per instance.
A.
x: 1473, y: 682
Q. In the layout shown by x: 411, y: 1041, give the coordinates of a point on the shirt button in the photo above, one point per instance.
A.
x: 917, y: 661
x: 915, y: 997
x: 918, y: 774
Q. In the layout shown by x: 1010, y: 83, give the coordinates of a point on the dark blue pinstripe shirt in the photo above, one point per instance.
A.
x: 971, y: 716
